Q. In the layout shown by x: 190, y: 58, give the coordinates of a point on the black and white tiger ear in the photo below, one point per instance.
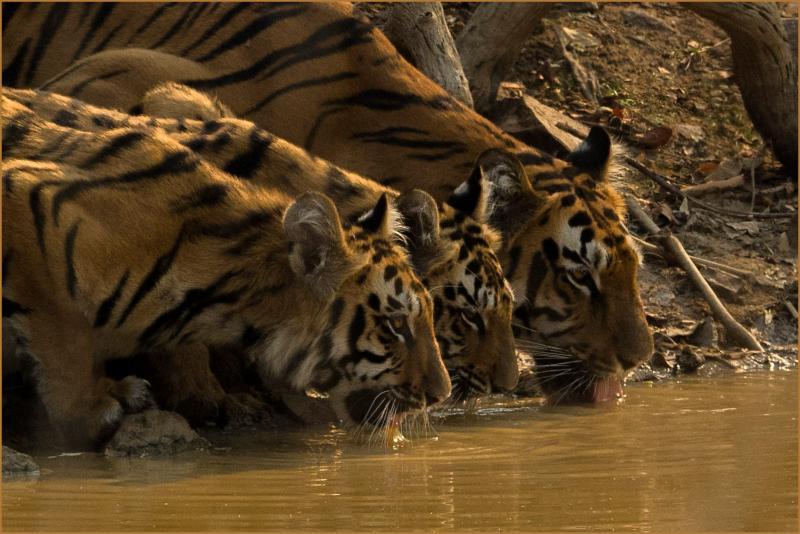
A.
x: 318, y: 249
x: 511, y: 199
x: 421, y: 217
x: 383, y: 219
x: 593, y: 154
x: 471, y: 196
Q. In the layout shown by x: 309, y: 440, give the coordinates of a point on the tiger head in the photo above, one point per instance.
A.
x: 376, y: 356
x: 456, y: 256
x: 573, y: 267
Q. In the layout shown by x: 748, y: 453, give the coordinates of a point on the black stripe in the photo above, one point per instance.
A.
x: 532, y: 158
x: 181, y: 20
x: 99, y: 18
x: 13, y: 308
x: 111, y: 34
x: 513, y: 261
x: 311, y: 82
x: 81, y: 86
x: 115, y: 146
x: 161, y: 266
x: 384, y: 137
x: 55, y: 18
x: 357, y: 326
x: 201, y: 7
x: 245, y: 164
x: 353, y: 30
x: 12, y: 71
x: 177, y: 162
x: 152, y: 18
x: 384, y: 100
x: 7, y: 264
x: 253, y: 220
x: 216, y: 28
x: 437, y: 157
x: 295, y: 360
x: 206, y: 196
x: 9, y: 9
x: 39, y: 217
x: 69, y: 258
x: 194, y: 302
x: 13, y: 133
x: 107, y: 306
x: 537, y: 271
x: 252, y: 30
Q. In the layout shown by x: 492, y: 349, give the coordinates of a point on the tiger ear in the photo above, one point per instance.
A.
x: 471, y: 196
x: 383, y: 219
x: 511, y: 200
x: 318, y: 253
x: 593, y: 154
x: 421, y: 217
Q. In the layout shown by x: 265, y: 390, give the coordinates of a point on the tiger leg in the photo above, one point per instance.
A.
x: 242, y: 406
x: 183, y: 382
x: 85, y: 407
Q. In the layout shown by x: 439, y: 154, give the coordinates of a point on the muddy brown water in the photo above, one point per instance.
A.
x: 691, y: 454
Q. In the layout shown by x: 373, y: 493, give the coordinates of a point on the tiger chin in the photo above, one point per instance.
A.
x: 112, y: 249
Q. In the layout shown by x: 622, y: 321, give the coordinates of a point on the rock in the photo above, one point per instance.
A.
x: 689, y: 131
x: 637, y: 17
x: 705, y: 334
x: 154, y: 433
x: 17, y: 463
x: 689, y: 360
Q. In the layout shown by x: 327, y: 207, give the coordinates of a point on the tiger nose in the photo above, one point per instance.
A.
x: 436, y: 382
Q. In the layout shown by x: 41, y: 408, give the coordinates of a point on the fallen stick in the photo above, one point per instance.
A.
x: 714, y: 186
x: 671, y: 243
x: 662, y: 181
x: 727, y: 269
x: 790, y: 307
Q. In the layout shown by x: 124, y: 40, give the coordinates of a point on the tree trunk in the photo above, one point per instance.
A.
x: 491, y: 41
x: 765, y: 71
x: 420, y: 33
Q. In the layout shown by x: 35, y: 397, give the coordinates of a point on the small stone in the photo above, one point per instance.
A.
x: 705, y: 334
x: 688, y: 360
x: 154, y: 433
x: 640, y: 18
x: 17, y: 463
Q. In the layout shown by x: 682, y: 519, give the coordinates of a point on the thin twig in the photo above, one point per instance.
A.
x: 791, y: 308
x: 662, y: 181
x: 727, y: 269
x: 671, y: 243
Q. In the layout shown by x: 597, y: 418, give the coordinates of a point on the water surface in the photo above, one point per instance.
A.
x: 692, y: 454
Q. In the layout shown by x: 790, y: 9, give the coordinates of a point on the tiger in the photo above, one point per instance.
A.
x: 453, y: 253
x: 128, y: 242
x: 329, y: 82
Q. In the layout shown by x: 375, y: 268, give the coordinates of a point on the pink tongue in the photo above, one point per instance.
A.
x: 608, y: 389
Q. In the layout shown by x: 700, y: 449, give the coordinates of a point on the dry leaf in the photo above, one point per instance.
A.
x: 656, y: 137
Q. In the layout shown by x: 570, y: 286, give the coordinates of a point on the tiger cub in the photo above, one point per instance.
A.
x: 456, y: 259
x: 125, y: 241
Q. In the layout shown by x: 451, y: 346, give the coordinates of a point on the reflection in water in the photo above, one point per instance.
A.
x: 698, y: 455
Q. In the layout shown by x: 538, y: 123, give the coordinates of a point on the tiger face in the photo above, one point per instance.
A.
x: 472, y: 299
x: 573, y: 268
x: 377, y: 357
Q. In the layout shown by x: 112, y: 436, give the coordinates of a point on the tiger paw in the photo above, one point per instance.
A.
x: 241, y: 410
x: 198, y: 409
x: 133, y: 394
